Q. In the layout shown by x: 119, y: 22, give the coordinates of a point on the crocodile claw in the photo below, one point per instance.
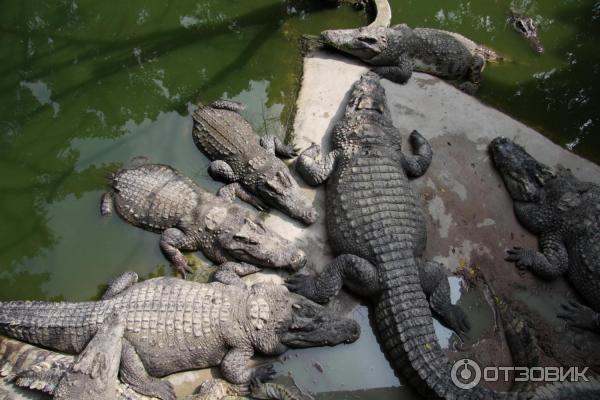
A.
x: 523, y: 258
x: 304, y: 285
x: 184, y: 269
x: 456, y: 319
x: 263, y: 373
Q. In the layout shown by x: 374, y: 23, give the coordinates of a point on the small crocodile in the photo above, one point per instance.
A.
x: 173, y: 325
x: 159, y: 198
x: 399, y: 50
x: 249, y: 164
x: 564, y: 213
x: 526, y: 26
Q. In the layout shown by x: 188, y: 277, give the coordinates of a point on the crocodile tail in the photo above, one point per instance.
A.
x: 405, y: 326
x: 65, y: 327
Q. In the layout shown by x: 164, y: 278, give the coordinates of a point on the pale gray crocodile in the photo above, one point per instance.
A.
x: 173, y: 325
x: 564, y: 213
x: 160, y: 199
x: 249, y: 163
x: 34, y: 368
x: 377, y: 228
x: 399, y: 50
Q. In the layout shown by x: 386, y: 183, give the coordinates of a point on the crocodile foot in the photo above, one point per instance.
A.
x: 523, y: 258
x: 183, y: 269
x: 580, y: 316
x: 305, y: 285
x: 263, y: 373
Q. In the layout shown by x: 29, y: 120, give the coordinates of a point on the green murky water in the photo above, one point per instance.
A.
x: 87, y: 85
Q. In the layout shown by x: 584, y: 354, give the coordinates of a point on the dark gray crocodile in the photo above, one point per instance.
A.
x: 249, y: 164
x: 174, y: 325
x: 376, y: 226
x: 526, y: 26
x: 399, y: 50
x: 160, y: 199
x: 32, y: 367
x: 564, y: 213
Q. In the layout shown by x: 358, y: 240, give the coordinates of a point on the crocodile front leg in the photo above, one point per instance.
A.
x: 171, y: 242
x: 357, y: 274
x: 233, y: 190
x: 274, y: 145
x: 417, y: 164
x: 229, y: 273
x: 434, y: 281
x: 234, y: 367
x: 133, y: 372
x: 400, y: 73
x: 313, y: 168
x: 551, y: 263
x: 474, y: 78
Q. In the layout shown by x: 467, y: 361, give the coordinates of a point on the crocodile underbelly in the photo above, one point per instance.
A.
x: 370, y: 206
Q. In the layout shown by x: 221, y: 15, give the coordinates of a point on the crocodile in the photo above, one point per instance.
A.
x: 526, y: 26
x: 174, y: 325
x: 161, y: 199
x: 249, y: 164
x: 35, y: 368
x: 377, y: 229
x: 399, y: 50
x: 564, y: 213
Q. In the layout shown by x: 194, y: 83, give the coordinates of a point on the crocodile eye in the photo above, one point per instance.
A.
x: 244, y: 239
x: 368, y: 39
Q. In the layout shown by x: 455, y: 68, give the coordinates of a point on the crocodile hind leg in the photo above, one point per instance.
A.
x: 106, y: 204
x: 357, y: 274
x: 400, y: 73
x: 230, y: 272
x: 119, y: 284
x: 233, y: 190
x: 434, y: 282
x: 274, y: 145
x: 417, y: 164
x: 474, y: 76
x: 133, y: 372
x: 171, y: 243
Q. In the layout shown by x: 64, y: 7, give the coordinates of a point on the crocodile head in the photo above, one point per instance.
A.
x: 526, y: 27
x: 279, y: 189
x: 280, y: 319
x: 523, y: 176
x: 238, y: 235
x: 364, y: 43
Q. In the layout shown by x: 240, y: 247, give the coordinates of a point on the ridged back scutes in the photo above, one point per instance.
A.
x: 155, y: 196
x: 223, y: 133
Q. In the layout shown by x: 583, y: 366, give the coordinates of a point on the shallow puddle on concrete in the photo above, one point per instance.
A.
x: 360, y: 370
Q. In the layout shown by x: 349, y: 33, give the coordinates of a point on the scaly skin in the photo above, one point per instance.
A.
x: 248, y: 163
x: 159, y: 198
x: 399, y: 50
x: 376, y: 226
x: 35, y: 368
x: 173, y: 325
x: 565, y: 215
